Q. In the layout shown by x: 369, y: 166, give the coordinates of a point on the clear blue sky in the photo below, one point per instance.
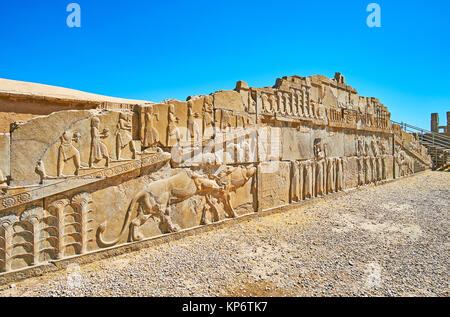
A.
x: 153, y: 50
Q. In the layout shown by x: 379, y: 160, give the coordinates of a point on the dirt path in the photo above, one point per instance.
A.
x: 390, y: 240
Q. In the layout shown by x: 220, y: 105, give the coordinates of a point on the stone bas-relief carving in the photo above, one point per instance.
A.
x: 67, y: 151
x: 123, y: 136
x: 99, y: 151
x: 37, y: 234
x: 156, y: 199
x: 373, y: 157
x: 77, y: 181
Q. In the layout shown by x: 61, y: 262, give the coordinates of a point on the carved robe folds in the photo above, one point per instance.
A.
x: 295, y: 182
x: 320, y: 177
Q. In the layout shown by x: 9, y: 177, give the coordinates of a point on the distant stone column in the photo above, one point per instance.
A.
x: 435, y: 122
x: 448, y: 121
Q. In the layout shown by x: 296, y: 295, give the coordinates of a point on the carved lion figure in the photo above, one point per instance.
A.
x: 156, y: 198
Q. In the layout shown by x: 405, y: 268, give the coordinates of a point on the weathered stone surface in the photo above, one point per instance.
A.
x: 273, y: 184
x: 31, y: 140
x: 113, y: 171
x: 228, y: 100
x: 4, y: 154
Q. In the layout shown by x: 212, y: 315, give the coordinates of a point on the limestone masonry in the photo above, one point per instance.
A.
x: 88, y: 172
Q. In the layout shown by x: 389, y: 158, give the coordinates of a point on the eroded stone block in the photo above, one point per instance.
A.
x: 113, y: 173
x: 4, y: 156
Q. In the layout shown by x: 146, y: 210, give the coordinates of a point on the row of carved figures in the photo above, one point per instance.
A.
x: 193, y: 131
x: 372, y: 169
x: 299, y: 103
x: 371, y: 147
x: 37, y: 235
x: 316, y: 178
x: 67, y: 152
x: 294, y: 103
x: 342, y: 115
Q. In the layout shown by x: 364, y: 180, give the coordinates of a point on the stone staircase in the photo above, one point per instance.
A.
x: 438, y: 145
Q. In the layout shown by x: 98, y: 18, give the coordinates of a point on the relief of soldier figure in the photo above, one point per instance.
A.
x: 124, y: 137
x: 99, y: 151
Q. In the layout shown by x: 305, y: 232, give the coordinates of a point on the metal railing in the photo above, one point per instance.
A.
x: 438, y: 144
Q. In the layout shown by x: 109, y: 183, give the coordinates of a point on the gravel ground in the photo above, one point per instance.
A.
x: 389, y: 240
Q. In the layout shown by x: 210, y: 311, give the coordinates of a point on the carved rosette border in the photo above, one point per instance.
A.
x: 15, y: 200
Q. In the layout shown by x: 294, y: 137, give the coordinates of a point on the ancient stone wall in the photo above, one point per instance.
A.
x: 78, y: 181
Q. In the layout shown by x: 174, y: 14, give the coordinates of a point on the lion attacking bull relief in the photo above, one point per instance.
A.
x: 157, y: 198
